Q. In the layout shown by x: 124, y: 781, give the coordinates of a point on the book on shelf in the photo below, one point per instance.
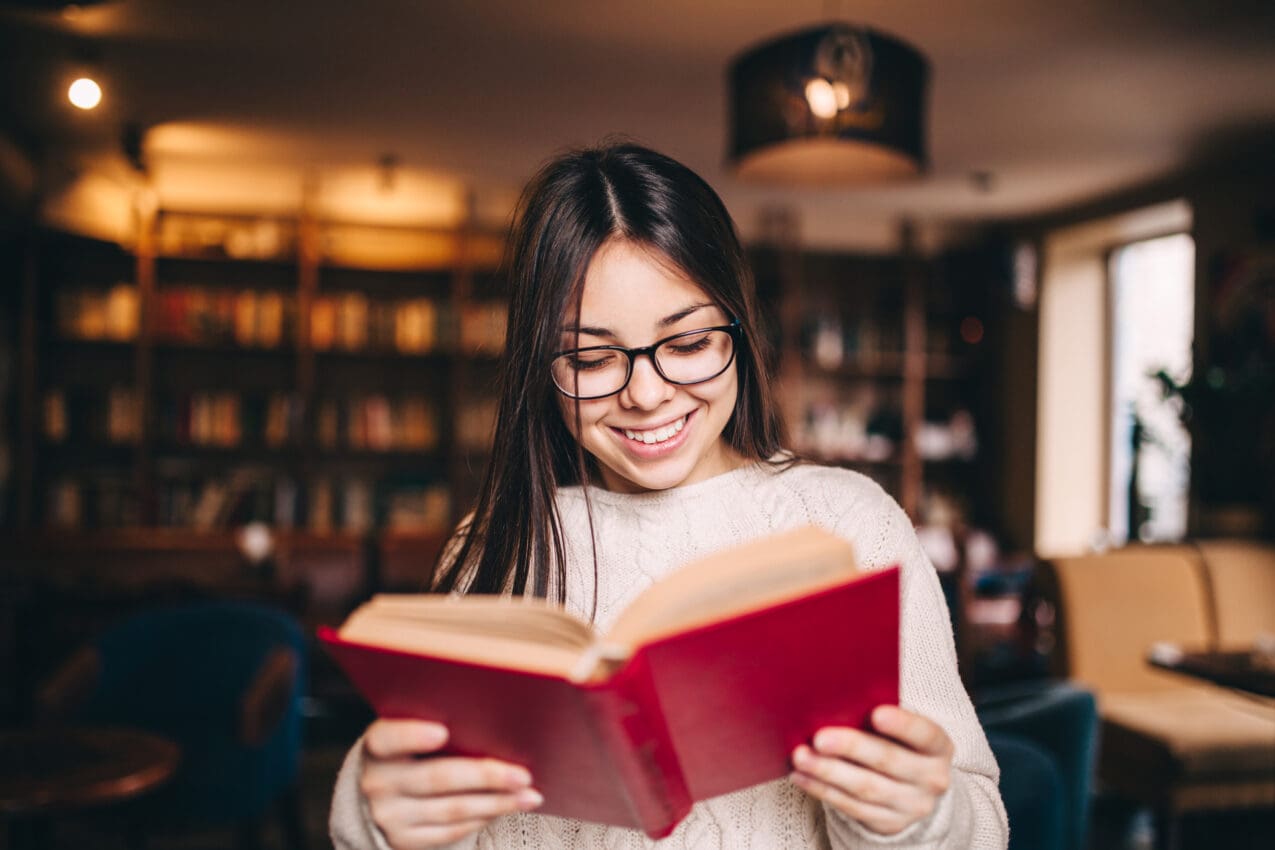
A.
x: 352, y: 317
x: 195, y: 315
x: 352, y: 322
x: 415, y: 326
x: 704, y: 684
x: 213, y: 419
x: 241, y: 495
x: 56, y: 422
x: 113, y: 418
x: 320, y: 506
x: 417, y: 507
x: 92, y: 498
x: 100, y: 314
x: 377, y: 423
x: 282, y: 420
x: 123, y: 415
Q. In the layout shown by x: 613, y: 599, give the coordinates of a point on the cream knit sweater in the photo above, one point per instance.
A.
x: 641, y: 538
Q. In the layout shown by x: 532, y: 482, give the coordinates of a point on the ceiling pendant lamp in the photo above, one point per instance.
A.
x: 831, y: 104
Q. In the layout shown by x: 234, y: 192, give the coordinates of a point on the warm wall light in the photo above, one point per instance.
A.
x: 84, y: 93
x: 834, y: 103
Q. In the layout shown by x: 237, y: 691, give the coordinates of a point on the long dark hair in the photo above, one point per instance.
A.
x: 578, y: 201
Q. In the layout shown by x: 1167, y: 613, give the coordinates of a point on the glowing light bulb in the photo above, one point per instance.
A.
x: 822, y: 98
x: 84, y: 93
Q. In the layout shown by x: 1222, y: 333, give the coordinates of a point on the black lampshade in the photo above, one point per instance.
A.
x: 831, y: 104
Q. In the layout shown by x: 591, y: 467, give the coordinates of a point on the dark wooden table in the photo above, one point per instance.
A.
x: 1242, y: 670
x: 47, y: 771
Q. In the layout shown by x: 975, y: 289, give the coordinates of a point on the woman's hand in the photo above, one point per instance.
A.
x: 426, y: 802
x: 886, y: 781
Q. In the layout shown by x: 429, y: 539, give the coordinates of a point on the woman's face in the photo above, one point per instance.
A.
x: 652, y: 435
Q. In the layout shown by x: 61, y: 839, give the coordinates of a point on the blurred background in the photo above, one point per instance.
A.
x: 1021, y: 272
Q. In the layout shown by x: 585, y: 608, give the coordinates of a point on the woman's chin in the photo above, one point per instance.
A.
x: 631, y: 482
x: 646, y: 477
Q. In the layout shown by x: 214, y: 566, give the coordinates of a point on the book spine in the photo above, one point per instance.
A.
x: 632, y: 726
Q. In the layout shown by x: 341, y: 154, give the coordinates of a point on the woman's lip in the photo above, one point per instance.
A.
x: 675, y: 419
x: 653, y: 450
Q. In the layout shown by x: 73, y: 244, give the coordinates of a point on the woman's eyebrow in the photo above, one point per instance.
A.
x: 667, y: 321
x: 682, y: 314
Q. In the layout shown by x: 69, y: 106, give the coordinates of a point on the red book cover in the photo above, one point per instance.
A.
x: 687, y: 716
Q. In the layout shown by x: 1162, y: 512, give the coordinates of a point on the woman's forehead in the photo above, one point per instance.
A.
x: 628, y: 280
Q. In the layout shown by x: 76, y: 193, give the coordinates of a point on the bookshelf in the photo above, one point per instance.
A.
x: 874, y: 371
x: 320, y: 377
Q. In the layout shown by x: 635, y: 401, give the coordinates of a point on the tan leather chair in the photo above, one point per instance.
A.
x: 1241, y: 577
x: 1167, y: 741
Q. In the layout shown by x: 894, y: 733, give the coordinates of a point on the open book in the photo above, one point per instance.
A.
x: 703, y: 685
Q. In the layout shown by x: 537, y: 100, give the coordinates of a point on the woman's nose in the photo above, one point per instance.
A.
x: 646, y: 389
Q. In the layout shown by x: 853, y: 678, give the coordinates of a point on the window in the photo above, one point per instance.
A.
x: 1152, y: 284
x: 1085, y: 338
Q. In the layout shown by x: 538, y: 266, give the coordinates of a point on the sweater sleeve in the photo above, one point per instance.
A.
x: 350, y: 823
x: 970, y: 814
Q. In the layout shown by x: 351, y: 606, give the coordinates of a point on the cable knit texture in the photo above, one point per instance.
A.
x: 642, y: 538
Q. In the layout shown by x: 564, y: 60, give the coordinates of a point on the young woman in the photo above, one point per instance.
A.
x: 637, y: 432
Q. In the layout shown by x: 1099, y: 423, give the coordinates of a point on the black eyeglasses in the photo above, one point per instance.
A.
x: 690, y: 357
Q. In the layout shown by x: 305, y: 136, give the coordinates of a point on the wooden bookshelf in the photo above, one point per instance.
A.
x: 329, y: 380
x: 871, y: 375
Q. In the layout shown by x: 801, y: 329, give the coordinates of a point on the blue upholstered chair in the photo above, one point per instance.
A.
x: 1044, y: 734
x: 221, y: 679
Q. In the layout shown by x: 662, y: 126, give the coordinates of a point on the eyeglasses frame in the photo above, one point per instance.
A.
x: 735, y: 329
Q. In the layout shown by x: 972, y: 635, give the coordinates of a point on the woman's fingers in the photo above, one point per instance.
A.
x: 888, y: 778
x: 882, y: 820
x: 450, y: 809
x: 859, y: 782
x: 387, y: 739
x: 419, y: 822
x: 444, y: 775
x: 873, y: 752
x: 913, y: 730
x: 423, y: 802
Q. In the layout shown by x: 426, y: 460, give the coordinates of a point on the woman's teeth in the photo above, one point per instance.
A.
x: 657, y: 435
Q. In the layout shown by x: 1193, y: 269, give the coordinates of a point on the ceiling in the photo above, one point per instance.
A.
x: 1034, y: 105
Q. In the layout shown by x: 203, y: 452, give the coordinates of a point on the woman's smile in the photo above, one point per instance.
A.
x: 661, y: 438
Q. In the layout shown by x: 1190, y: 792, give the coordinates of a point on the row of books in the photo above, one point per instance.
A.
x: 230, y: 419
x: 97, y: 499
x: 213, y: 419
x: 378, y: 423
x: 113, y: 418
x: 252, y: 318
x: 109, y: 499
x: 112, y: 314
x: 195, y: 315
x: 320, y: 504
x: 352, y: 321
